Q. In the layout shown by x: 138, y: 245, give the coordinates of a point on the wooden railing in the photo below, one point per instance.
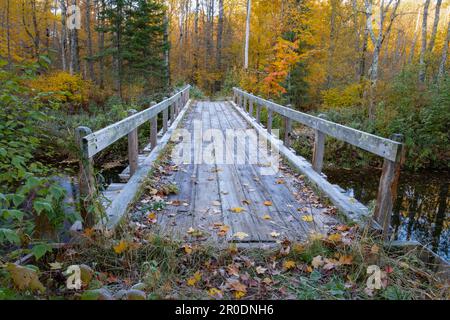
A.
x: 392, y: 150
x: 91, y: 143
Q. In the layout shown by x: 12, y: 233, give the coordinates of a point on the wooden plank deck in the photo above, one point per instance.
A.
x: 208, y: 192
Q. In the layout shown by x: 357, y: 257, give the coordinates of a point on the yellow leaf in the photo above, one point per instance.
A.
x: 346, y: 260
x: 274, y: 234
x: 267, y: 217
x: 198, y: 275
x: 239, y: 294
x: 55, y: 265
x: 240, y: 235
x: 191, y: 230
x: 298, y: 248
x: 25, y: 278
x: 237, y: 209
x: 187, y: 248
x: 268, y: 203
x: 223, y: 230
x: 121, y: 247
x: 335, y: 237
x: 214, y: 292
x: 308, y: 218
x: 289, y: 264
x: 280, y: 181
x: 152, y: 217
x: 191, y: 282
x: 375, y: 249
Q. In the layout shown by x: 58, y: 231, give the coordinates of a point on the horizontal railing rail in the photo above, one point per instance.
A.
x: 392, y: 150
x: 91, y: 143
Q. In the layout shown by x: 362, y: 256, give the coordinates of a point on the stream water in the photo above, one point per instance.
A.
x: 421, y: 210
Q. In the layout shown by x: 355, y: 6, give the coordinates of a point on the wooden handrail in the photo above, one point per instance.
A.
x: 392, y: 150
x: 383, y: 147
x: 101, y: 139
x: 91, y: 143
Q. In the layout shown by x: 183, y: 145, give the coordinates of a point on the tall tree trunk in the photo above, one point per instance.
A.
x: 90, y: 60
x: 334, y: 5
x: 167, y: 49
x: 196, y: 43
x: 219, y: 43
x: 441, y: 71
x: 63, y: 40
x: 416, y: 35
x: 74, y: 49
x: 356, y: 35
x: 101, y: 43
x: 435, y: 25
x: 37, y: 37
x: 8, y: 33
x: 247, y: 33
x: 423, y: 49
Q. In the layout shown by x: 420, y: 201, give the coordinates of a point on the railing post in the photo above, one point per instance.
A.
x: 153, y: 129
x: 269, y: 120
x: 187, y: 97
x: 287, y: 130
x: 86, y: 178
x: 133, y: 146
x: 387, y: 189
x: 250, y: 109
x: 318, y: 149
x: 250, y: 105
x: 165, y: 119
x: 258, y: 113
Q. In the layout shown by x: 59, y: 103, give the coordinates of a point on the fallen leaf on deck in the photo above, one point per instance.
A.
x: 240, y: 235
x: 274, y: 234
x: 280, y: 181
x: 245, y: 201
x: 237, y: 209
x: 308, y: 218
x: 216, y: 203
x: 267, y: 217
x: 223, y: 230
x: 268, y: 203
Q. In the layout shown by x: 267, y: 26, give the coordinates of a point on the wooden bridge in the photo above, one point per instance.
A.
x: 256, y: 206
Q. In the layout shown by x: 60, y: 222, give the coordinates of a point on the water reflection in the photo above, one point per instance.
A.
x: 421, y: 211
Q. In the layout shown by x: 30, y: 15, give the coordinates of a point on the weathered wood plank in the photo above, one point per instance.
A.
x: 318, y: 151
x: 383, y: 147
x: 287, y: 132
x: 99, y: 140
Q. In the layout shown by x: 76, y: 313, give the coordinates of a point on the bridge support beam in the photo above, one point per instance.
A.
x: 133, y: 146
x: 387, y: 189
x: 86, y: 178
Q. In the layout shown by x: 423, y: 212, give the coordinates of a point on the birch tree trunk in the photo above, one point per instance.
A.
x: 435, y: 25
x: 423, y: 49
x: 101, y: 43
x: 247, y: 33
x: 416, y: 35
x: 74, y: 53
x: 443, y: 63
